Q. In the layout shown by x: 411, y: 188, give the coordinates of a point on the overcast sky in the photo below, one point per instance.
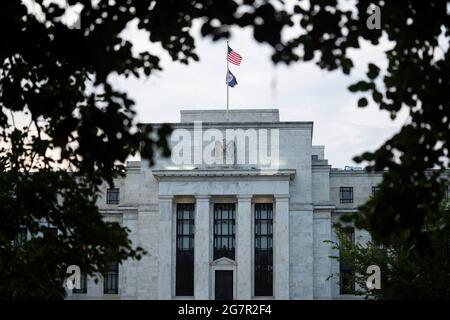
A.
x: 303, y: 92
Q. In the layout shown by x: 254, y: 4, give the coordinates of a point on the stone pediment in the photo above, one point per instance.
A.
x: 223, y: 262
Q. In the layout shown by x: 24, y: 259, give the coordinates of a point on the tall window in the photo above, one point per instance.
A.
x: 83, y: 284
x: 21, y: 237
x: 346, y: 194
x: 184, y: 282
x: 347, y: 281
x: 111, y: 279
x: 224, y: 230
x: 112, y: 196
x: 263, y: 249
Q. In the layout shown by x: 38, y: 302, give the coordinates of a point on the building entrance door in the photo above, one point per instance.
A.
x: 224, y: 285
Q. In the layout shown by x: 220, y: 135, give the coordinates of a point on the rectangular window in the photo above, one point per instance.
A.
x: 21, y: 237
x: 375, y: 190
x: 83, y: 284
x: 346, y: 194
x: 263, y: 249
x: 184, y: 283
x: 314, y: 157
x: 224, y: 230
x: 112, y: 196
x: 347, y: 282
x: 111, y: 279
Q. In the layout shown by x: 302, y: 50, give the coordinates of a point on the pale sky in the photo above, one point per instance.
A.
x: 303, y: 92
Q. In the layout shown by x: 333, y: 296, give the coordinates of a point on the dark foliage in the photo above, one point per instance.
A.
x: 405, y: 271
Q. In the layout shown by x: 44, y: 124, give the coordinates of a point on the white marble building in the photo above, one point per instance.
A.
x: 233, y: 230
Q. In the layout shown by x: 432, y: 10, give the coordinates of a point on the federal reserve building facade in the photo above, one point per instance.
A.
x: 242, y: 209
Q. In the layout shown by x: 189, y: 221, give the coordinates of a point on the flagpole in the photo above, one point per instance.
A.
x: 226, y: 82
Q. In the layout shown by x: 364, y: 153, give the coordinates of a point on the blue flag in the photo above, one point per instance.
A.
x: 231, y: 79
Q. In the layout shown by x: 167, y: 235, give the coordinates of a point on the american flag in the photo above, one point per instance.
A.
x: 234, y: 57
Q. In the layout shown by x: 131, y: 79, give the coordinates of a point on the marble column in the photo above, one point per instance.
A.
x: 281, y: 242
x: 165, y: 247
x: 128, y: 268
x: 244, y: 248
x: 201, y: 248
x: 321, y: 253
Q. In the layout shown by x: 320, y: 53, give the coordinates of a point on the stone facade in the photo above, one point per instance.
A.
x: 304, y: 190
